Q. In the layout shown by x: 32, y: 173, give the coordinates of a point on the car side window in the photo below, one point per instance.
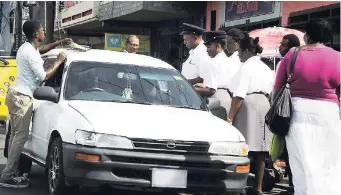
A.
x: 55, y: 80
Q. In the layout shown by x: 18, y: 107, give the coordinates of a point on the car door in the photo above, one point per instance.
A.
x: 39, y: 127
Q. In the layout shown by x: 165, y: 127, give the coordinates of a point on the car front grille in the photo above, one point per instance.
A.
x: 202, y: 178
x: 217, y: 165
x: 170, y: 146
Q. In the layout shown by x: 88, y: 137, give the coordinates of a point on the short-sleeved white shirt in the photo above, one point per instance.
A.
x: 253, y: 76
x: 30, y: 70
x: 200, y: 64
x: 227, y: 69
x: 235, y: 59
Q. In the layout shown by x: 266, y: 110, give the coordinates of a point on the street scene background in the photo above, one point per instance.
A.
x: 106, y: 24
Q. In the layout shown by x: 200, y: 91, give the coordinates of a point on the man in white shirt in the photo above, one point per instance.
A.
x: 132, y: 44
x: 215, y: 43
x: 19, y: 100
x: 199, y: 68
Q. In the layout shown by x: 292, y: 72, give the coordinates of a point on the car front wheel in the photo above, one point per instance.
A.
x: 55, y: 172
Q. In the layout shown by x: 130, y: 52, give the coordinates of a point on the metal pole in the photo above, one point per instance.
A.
x: 50, y: 17
x: 18, y: 30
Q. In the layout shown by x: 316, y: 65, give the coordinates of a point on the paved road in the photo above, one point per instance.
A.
x: 38, y: 182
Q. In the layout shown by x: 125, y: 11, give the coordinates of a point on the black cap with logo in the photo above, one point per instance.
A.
x: 214, y: 36
x: 191, y: 29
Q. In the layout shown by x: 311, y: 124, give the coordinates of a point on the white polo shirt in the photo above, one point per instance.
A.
x: 30, y: 70
x: 253, y: 76
x: 226, y: 69
x: 200, y: 64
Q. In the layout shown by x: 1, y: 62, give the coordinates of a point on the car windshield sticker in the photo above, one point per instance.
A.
x: 163, y: 86
x: 156, y: 77
x: 128, y: 92
x: 178, y: 78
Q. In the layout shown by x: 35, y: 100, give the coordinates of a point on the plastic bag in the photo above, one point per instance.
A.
x: 279, y: 115
x: 277, y: 147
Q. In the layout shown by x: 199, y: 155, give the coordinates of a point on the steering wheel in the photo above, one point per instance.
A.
x: 94, y: 89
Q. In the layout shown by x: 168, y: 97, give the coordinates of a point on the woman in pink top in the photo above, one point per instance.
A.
x: 314, y: 138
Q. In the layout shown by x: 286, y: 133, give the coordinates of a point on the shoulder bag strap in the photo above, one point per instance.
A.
x: 292, y: 64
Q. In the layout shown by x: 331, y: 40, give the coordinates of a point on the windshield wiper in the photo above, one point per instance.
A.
x: 127, y: 101
x: 187, y: 107
x: 135, y: 102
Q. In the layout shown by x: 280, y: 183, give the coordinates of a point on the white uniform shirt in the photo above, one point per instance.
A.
x: 253, y: 76
x: 30, y: 70
x: 226, y: 69
x: 235, y: 59
x: 200, y: 64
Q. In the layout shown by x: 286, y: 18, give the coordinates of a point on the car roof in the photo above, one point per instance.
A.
x: 107, y: 56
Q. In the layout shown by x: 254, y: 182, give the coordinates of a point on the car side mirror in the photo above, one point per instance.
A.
x: 213, y: 103
x: 46, y: 93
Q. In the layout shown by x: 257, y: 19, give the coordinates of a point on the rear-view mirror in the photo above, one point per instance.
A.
x: 46, y: 93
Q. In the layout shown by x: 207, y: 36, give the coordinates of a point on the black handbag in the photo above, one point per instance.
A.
x: 279, y: 115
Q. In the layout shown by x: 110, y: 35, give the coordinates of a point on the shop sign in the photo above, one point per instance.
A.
x: 245, y: 9
x: 116, y: 42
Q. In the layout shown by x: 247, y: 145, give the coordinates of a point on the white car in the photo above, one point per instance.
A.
x: 131, y: 121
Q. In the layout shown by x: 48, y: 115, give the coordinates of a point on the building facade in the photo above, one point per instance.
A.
x: 106, y: 24
x: 246, y: 15
x: 250, y: 15
x: 296, y: 14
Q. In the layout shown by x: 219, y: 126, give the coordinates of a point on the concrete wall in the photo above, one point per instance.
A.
x: 295, y: 6
x: 165, y: 6
x: 78, y: 9
x: 211, y: 6
x: 115, y: 9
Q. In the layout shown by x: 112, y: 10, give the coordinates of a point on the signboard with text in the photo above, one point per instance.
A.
x: 116, y: 42
x: 245, y: 9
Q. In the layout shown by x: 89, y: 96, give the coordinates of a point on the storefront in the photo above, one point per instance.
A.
x: 117, y: 42
x: 297, y: 16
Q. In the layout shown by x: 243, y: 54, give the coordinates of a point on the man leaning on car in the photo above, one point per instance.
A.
x: 19, y: 99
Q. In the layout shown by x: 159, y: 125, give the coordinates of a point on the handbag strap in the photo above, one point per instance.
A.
x: 292, y: 64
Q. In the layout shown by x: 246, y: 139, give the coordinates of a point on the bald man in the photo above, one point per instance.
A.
x: 132, y: 44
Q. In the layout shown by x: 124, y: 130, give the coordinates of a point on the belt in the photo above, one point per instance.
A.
x: 259, y: 92
x: 228, y: 91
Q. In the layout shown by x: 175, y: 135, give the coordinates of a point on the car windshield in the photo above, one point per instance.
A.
x: 95, y: 81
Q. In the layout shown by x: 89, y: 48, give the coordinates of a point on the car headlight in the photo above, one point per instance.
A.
x: 102, y: 140
x: 229, y: 148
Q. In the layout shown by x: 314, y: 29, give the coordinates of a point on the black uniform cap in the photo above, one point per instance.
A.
x: 214, y: 36
x: 191, y: 29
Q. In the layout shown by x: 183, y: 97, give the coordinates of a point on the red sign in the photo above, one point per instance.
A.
x: 246, y: 9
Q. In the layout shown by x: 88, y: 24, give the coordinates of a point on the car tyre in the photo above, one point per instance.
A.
x: 55, y: 169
